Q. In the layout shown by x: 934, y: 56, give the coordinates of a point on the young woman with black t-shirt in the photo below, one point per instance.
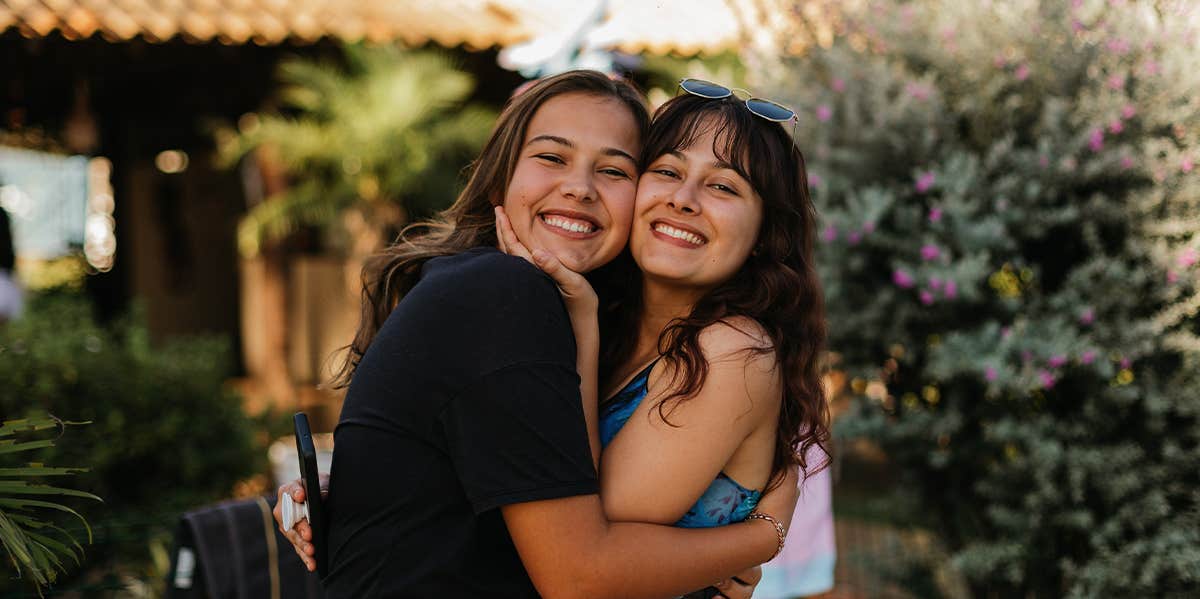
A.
x: 713, y: 379
x: 462, y: 465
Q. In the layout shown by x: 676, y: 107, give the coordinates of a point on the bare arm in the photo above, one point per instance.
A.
x: 655, y: 469
x: 572, y: 551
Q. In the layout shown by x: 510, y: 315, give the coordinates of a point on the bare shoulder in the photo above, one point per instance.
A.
x: 738, y: 339
x: 742, y: 365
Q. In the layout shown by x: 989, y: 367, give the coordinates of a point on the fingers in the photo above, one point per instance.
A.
x: 509, y: 243
x: 571, y: 282
x: 305, y: 551
x: 295, y: 489
x: 300, y: 535
x: 732, y: 588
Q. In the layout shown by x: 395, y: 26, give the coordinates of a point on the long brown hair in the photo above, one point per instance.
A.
x: 777, y: 286
x: 470, y: 221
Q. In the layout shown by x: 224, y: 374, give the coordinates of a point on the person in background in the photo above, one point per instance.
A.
x: 805, y: 566
x: 11, y: 298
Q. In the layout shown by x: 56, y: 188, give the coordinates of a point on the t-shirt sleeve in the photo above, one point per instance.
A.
x: 517, y: 434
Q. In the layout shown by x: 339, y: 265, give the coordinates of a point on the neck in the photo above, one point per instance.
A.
x: 662, y: 303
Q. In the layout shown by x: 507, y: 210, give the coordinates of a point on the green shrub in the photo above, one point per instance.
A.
x: 1010, y: 241
x: 166, y: 435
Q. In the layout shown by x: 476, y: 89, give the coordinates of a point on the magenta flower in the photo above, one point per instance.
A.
x: 902, y: 279
x: 917, y: 90
x: 1117, y: 46
x: 1116, y: 126
x: 999, y: 61
x: 930, y: 252
x: 1150, y: 68
x: 1047, y: 380
x: 935, y: 283
x: 926, y: 296
x: 839, y: 85
x: 853, y: 237
x: 1096, y: 139
x: 951, y: 290
x: 814, y: 180
x: 989, y: 373
x: 924, y: 182
x: 1125, y: 363
x: 824, y: 113
x: 1116, y: 82
x: 1126, y: 162
x: 1057, y: 361
x: 1186, y: 258
x: 1087, y: 357
x: 935, y: 215
x: 868, y: 228
x: 1005, y: 332
x: 829, y: 234
x: 1022, y: 72
x: 1087, y: 317
x: 1172, y: 277
x: 1186, y: 165
x: 1127, y: 111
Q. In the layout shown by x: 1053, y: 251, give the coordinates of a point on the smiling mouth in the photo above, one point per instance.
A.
x: 690, y: 237
x: 569, y: 224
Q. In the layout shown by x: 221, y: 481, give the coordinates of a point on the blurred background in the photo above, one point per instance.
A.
x: 1009, y: 217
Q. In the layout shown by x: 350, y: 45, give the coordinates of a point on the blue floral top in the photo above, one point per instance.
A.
x: 724, y: 502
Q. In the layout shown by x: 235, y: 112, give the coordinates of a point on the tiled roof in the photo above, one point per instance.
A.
x: 475, y: 23
x: 658, y: 27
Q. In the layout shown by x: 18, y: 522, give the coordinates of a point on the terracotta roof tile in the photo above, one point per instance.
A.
x: 680, y: 26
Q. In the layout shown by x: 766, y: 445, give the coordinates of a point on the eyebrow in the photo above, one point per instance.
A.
x: 566, y: 142
x: 720, y: 164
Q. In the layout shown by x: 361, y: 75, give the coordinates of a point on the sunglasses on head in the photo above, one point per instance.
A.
x: 760, y: 107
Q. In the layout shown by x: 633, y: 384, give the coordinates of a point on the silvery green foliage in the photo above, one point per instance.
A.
x: 1010, y: 208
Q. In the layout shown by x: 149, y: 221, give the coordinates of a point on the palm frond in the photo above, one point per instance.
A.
x: 36, y: 546
x: 374, y: 128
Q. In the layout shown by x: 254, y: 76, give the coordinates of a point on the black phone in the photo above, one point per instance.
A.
x: 307, y: 451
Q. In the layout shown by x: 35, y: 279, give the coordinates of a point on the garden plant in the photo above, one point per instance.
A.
x: 1010, y: 247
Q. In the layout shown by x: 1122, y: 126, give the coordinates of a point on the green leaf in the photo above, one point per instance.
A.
x: 18, y: 487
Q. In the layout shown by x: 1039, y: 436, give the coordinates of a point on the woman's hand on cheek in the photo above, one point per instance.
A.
x: 577, y: 292
x: 509, y: 244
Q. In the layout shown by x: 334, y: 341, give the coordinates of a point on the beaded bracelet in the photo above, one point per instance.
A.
x: 779, y: 529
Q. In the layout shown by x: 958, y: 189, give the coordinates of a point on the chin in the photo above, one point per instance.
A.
x: 574, y: 261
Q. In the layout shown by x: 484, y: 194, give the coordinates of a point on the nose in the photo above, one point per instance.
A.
x: 578, y: 185
x: 684, y: 200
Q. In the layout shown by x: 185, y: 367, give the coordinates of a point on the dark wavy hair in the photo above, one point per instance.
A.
x: 470, y: 221
x: 777, y: 286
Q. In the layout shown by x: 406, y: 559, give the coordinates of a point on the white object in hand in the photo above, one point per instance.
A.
x: 293, y: 512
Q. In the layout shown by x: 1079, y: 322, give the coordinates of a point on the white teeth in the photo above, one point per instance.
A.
x: 679, y: 234
x: 568, y: 225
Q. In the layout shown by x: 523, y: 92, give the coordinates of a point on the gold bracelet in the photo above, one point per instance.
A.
x: 779, y: 529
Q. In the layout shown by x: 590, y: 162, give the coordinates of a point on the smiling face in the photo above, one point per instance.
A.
x: 573, y: 187
x: 696, y: 220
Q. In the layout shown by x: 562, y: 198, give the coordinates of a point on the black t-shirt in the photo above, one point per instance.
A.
x: 466, y: 400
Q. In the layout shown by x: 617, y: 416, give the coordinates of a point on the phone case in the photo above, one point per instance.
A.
x: 307, y: 451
